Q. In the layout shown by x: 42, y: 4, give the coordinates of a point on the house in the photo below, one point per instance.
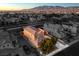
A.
x: 34, y: 35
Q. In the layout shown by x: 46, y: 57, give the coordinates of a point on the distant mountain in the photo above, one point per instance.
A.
x: 47, y: 7
x: 50, y: 7
x: 53, y: 9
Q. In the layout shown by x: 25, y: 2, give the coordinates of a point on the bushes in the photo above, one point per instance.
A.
x: 47, y: 45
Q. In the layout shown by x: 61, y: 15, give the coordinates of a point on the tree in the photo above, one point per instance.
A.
x: 47, y: 45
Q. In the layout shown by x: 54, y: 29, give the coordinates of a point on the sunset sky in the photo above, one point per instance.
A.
x: 18, y: 6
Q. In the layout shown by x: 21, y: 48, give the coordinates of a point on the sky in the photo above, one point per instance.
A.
x: 19, y: 6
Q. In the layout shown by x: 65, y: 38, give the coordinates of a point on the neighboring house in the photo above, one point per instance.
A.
x: 58, y: 30
x: 73, y: 29
x: 53, y: 29
x: 5, y: 40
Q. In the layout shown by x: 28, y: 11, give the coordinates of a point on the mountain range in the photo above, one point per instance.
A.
x: 53, y: 9
x: 50, y: 7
